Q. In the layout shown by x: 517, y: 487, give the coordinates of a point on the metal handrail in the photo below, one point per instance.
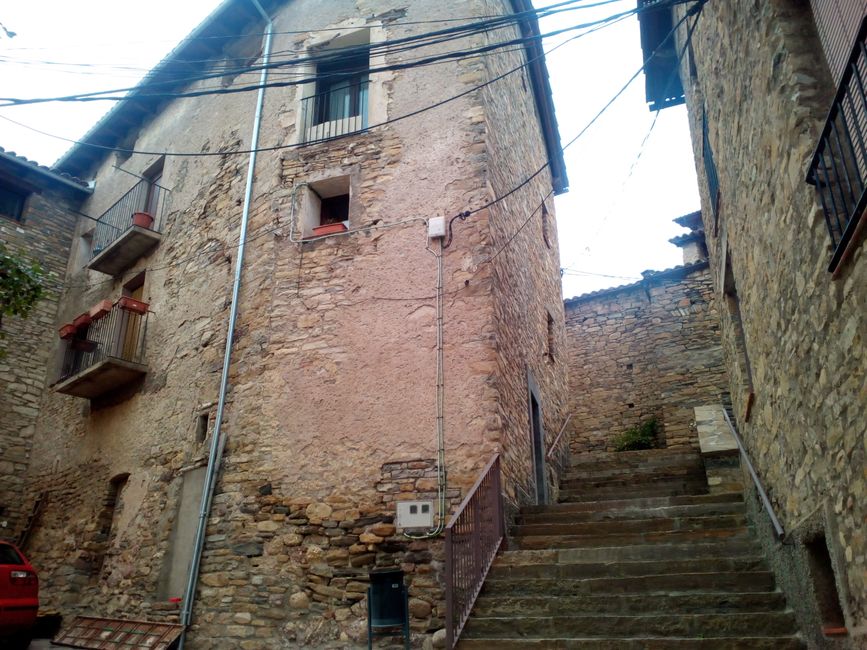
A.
x: 473, y: 538
x: 775, y: 522
x: 556, y: 442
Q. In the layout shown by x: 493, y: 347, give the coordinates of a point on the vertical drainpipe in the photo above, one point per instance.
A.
x: 218, y: 442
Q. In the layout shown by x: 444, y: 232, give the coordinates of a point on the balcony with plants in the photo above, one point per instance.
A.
x: 129, y: 229
x: 104, y: 348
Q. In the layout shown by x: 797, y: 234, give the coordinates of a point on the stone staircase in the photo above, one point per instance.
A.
x: 636, y: 554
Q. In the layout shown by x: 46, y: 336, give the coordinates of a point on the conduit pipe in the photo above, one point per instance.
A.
x: 217, y: 440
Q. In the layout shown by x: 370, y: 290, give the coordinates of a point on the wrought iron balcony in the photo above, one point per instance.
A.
x: 339, y: 110
x: 838, y: 169
x: 106, y: 353
x: 128, y: 229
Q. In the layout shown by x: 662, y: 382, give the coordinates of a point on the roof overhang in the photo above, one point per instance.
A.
x: 541, y: 84
x: 34, y: 176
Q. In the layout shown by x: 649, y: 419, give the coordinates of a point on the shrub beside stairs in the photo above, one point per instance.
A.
x: 636, y: 554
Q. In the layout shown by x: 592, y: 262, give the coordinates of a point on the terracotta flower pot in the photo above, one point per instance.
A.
x: 142, y: 220
x: 133, y: 305
x: 328, y: 229
x: 67, y: 331
x: 82, y: 320
x: 100, y: 309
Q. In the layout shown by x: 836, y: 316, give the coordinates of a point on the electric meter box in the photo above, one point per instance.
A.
x: 415, y: 514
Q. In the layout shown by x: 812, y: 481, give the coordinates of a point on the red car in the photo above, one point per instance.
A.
x: 19, y: 597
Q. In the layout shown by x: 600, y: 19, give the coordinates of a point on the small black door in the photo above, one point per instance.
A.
x: 537, y: 434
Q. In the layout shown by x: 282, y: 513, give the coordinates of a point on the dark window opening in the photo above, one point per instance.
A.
x: 824, y: 586
x: 550, y: 351
x: 202, y: 427
x: 334, y: 209
x: 12, y: 202
x: 744, y: 373
x: 154, y: 175
x: 341, y: 87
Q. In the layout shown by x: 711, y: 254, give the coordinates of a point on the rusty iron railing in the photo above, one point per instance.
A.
x: 473, y: 538
x: 145, y: 196
x: 838, y: 169
x: 120, y: 334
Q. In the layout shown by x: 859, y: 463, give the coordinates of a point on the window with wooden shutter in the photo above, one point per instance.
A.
x: 837, y: 22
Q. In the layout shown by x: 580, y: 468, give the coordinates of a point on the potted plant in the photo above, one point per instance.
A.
x: 82, y: 320
x: 128, y: 303
x: 100, y: 309
x: 67, y: 331
x: 329, y: 229
x: 142, y: 220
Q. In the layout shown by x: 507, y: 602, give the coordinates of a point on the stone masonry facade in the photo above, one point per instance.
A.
x: 647, y: 350
x: 43, y: 235
x: 330, y: 415
x: 795, y: 338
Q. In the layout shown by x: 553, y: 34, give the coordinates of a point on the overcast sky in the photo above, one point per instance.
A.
x: 614, y: 223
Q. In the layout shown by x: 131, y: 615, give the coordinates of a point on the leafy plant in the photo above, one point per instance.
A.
x: 20, y: 286
x: 641, y: 437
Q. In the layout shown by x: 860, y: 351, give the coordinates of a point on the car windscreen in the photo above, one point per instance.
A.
x: 9, y: 555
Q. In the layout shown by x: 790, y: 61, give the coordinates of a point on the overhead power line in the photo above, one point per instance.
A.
x: 386, y: 47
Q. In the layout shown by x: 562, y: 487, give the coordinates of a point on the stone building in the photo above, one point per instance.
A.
x: 37, y: 222
x: 647, y: 350
x: 336, y: 304
x: 776, y: 102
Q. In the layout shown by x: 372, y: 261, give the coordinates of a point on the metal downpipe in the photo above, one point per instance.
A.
x: 217, y: 440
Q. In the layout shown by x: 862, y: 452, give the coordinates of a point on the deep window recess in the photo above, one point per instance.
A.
x: 202, y: 427
x: 710, y: 170
x: 337, y: 102
x: 341, y: 87
x: 326, y: 203
x: 11, y: 202
x: 550, y: 350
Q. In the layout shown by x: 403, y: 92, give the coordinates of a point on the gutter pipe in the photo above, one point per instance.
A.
x: 218, y: 442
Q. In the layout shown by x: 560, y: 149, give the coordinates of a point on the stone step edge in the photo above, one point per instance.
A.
x: 493, y: 579
x: 633, y: 520
x: 490, y: 598
x: 618, y: 549
x: 735, y: 530
x: 615, y: 504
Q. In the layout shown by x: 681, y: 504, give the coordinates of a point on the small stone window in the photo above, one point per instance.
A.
x: 326, y: 207
x: 550, y: 331
x: 11, y: 202
x: 202, y: 427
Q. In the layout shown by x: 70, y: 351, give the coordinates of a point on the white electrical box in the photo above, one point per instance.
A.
x: 436, y: 227
x: 415, y: 514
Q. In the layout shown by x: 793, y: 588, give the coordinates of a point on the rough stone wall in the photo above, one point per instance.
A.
x: 43, y: 235
x: 524, y: 266
x: 767, y: 91
x: 651, y: 349
x: 331, y: 401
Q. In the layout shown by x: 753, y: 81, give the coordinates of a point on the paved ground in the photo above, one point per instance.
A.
x: 41, y: 644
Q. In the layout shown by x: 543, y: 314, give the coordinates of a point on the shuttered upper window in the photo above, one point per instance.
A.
x: 837, y: 22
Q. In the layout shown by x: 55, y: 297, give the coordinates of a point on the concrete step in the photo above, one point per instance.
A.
x: 636, y: 643
x: 592, y: 625
x: 702, y: 582
x: 629, y: 604
x: 662, y: 488
x: 621, y: 526
x: 577, y: 571
x: 633, y: 553
x: 628, y: 539
x: 679, y: 466
x: 635, y: 504
x: 695, y: 510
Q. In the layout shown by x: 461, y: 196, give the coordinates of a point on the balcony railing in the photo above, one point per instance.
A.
x: 473, y: 538
x: 118, y: 239
x: 107, y: 354
x: 838, y: 169
x: 335, y: 112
